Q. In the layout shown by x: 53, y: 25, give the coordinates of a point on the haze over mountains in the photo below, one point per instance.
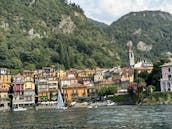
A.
x: 37, y: 33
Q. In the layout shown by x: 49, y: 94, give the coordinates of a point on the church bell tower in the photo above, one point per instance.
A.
x: 131, y: 61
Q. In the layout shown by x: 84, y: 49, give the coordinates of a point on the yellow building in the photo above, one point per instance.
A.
x: 4, y: 88
x: 43, y: 96
x: 86, y: 73
x: 53, y: 89
x: 29, y: 83
x: 28, y: 73
x: 61, y: 74
x: 127, y: 75
x: 73, y: 92
x: 43, y: 90
x: 29, y: 90
x: 5, y: 80
x: 48, y: 72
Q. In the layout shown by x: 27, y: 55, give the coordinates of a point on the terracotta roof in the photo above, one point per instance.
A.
x: 127, y: 70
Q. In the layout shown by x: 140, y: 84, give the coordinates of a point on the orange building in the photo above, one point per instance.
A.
x: 4, y: 88
x: 5, y: 80
x: 73, y: 92
x: 5, y: 77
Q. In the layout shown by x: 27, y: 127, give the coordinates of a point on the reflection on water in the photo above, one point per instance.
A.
x: 122, y: 117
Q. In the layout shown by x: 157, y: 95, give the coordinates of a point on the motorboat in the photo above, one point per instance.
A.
x: 20, y: 109
x: 110, y: 103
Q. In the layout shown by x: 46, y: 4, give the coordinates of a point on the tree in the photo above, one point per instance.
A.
x: 107, y: 90
x: 130, y: 91
x: 136, y: 74
x: 16, y: 63
x: 155, y: 76
x: 144, y: 75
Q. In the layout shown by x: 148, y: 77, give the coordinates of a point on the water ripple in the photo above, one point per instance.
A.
x: 118, y: 117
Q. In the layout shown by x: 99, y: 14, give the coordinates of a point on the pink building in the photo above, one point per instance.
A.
x: 166, y: 80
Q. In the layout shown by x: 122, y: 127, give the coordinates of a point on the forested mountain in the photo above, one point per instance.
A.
x: 150, y: 32
x: 97, y: 24
x: 37, y: 33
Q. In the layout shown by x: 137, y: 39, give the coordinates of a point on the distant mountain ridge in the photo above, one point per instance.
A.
x: 98, y: 24
x: 152, y: 29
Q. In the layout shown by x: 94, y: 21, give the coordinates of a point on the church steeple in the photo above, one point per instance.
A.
x: 131, y: 61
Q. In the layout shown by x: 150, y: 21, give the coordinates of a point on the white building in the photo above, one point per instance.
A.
x: 166, y: 80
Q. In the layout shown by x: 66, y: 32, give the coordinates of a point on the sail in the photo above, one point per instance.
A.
x: 60, y: 102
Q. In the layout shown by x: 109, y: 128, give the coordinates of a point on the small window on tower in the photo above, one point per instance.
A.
x: 169, y: 69
x: 169, y: 77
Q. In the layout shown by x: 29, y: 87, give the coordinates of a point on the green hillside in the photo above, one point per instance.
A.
x: 150, y: 32
x: 37, y: 33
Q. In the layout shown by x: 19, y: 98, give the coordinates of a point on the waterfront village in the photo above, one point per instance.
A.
x: 40, y: 87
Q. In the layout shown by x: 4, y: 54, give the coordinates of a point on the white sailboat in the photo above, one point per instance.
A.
x: 60, y: 103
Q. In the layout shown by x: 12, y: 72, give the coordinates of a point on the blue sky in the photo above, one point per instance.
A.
x: 108, y: 11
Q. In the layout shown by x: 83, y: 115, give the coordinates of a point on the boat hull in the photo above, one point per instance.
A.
x: 19, y: 109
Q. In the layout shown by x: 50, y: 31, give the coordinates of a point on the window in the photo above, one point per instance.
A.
x: 169, y: 69
x: 66, y: 95
x: 164, y: 84
x: 76, y: 91
x: 84, y: 93
x: 169, y: 77
x: 168, y: 86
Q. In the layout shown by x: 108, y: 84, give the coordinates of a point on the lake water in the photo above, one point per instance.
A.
x: 113, y: 117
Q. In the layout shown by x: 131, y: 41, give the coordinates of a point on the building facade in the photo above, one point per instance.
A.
x: 73, y: 92
x: 18, y: 89
x: 166, y: 80
x: 5, y: 81
x: 42, y: 90
x: 23, y: 91
x: 29, y: 91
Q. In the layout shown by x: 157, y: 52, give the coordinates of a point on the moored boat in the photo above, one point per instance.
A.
x: 20, y: 109
x: 60, y: 103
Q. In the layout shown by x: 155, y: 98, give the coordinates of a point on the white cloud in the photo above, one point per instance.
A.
x: 110, y: 10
